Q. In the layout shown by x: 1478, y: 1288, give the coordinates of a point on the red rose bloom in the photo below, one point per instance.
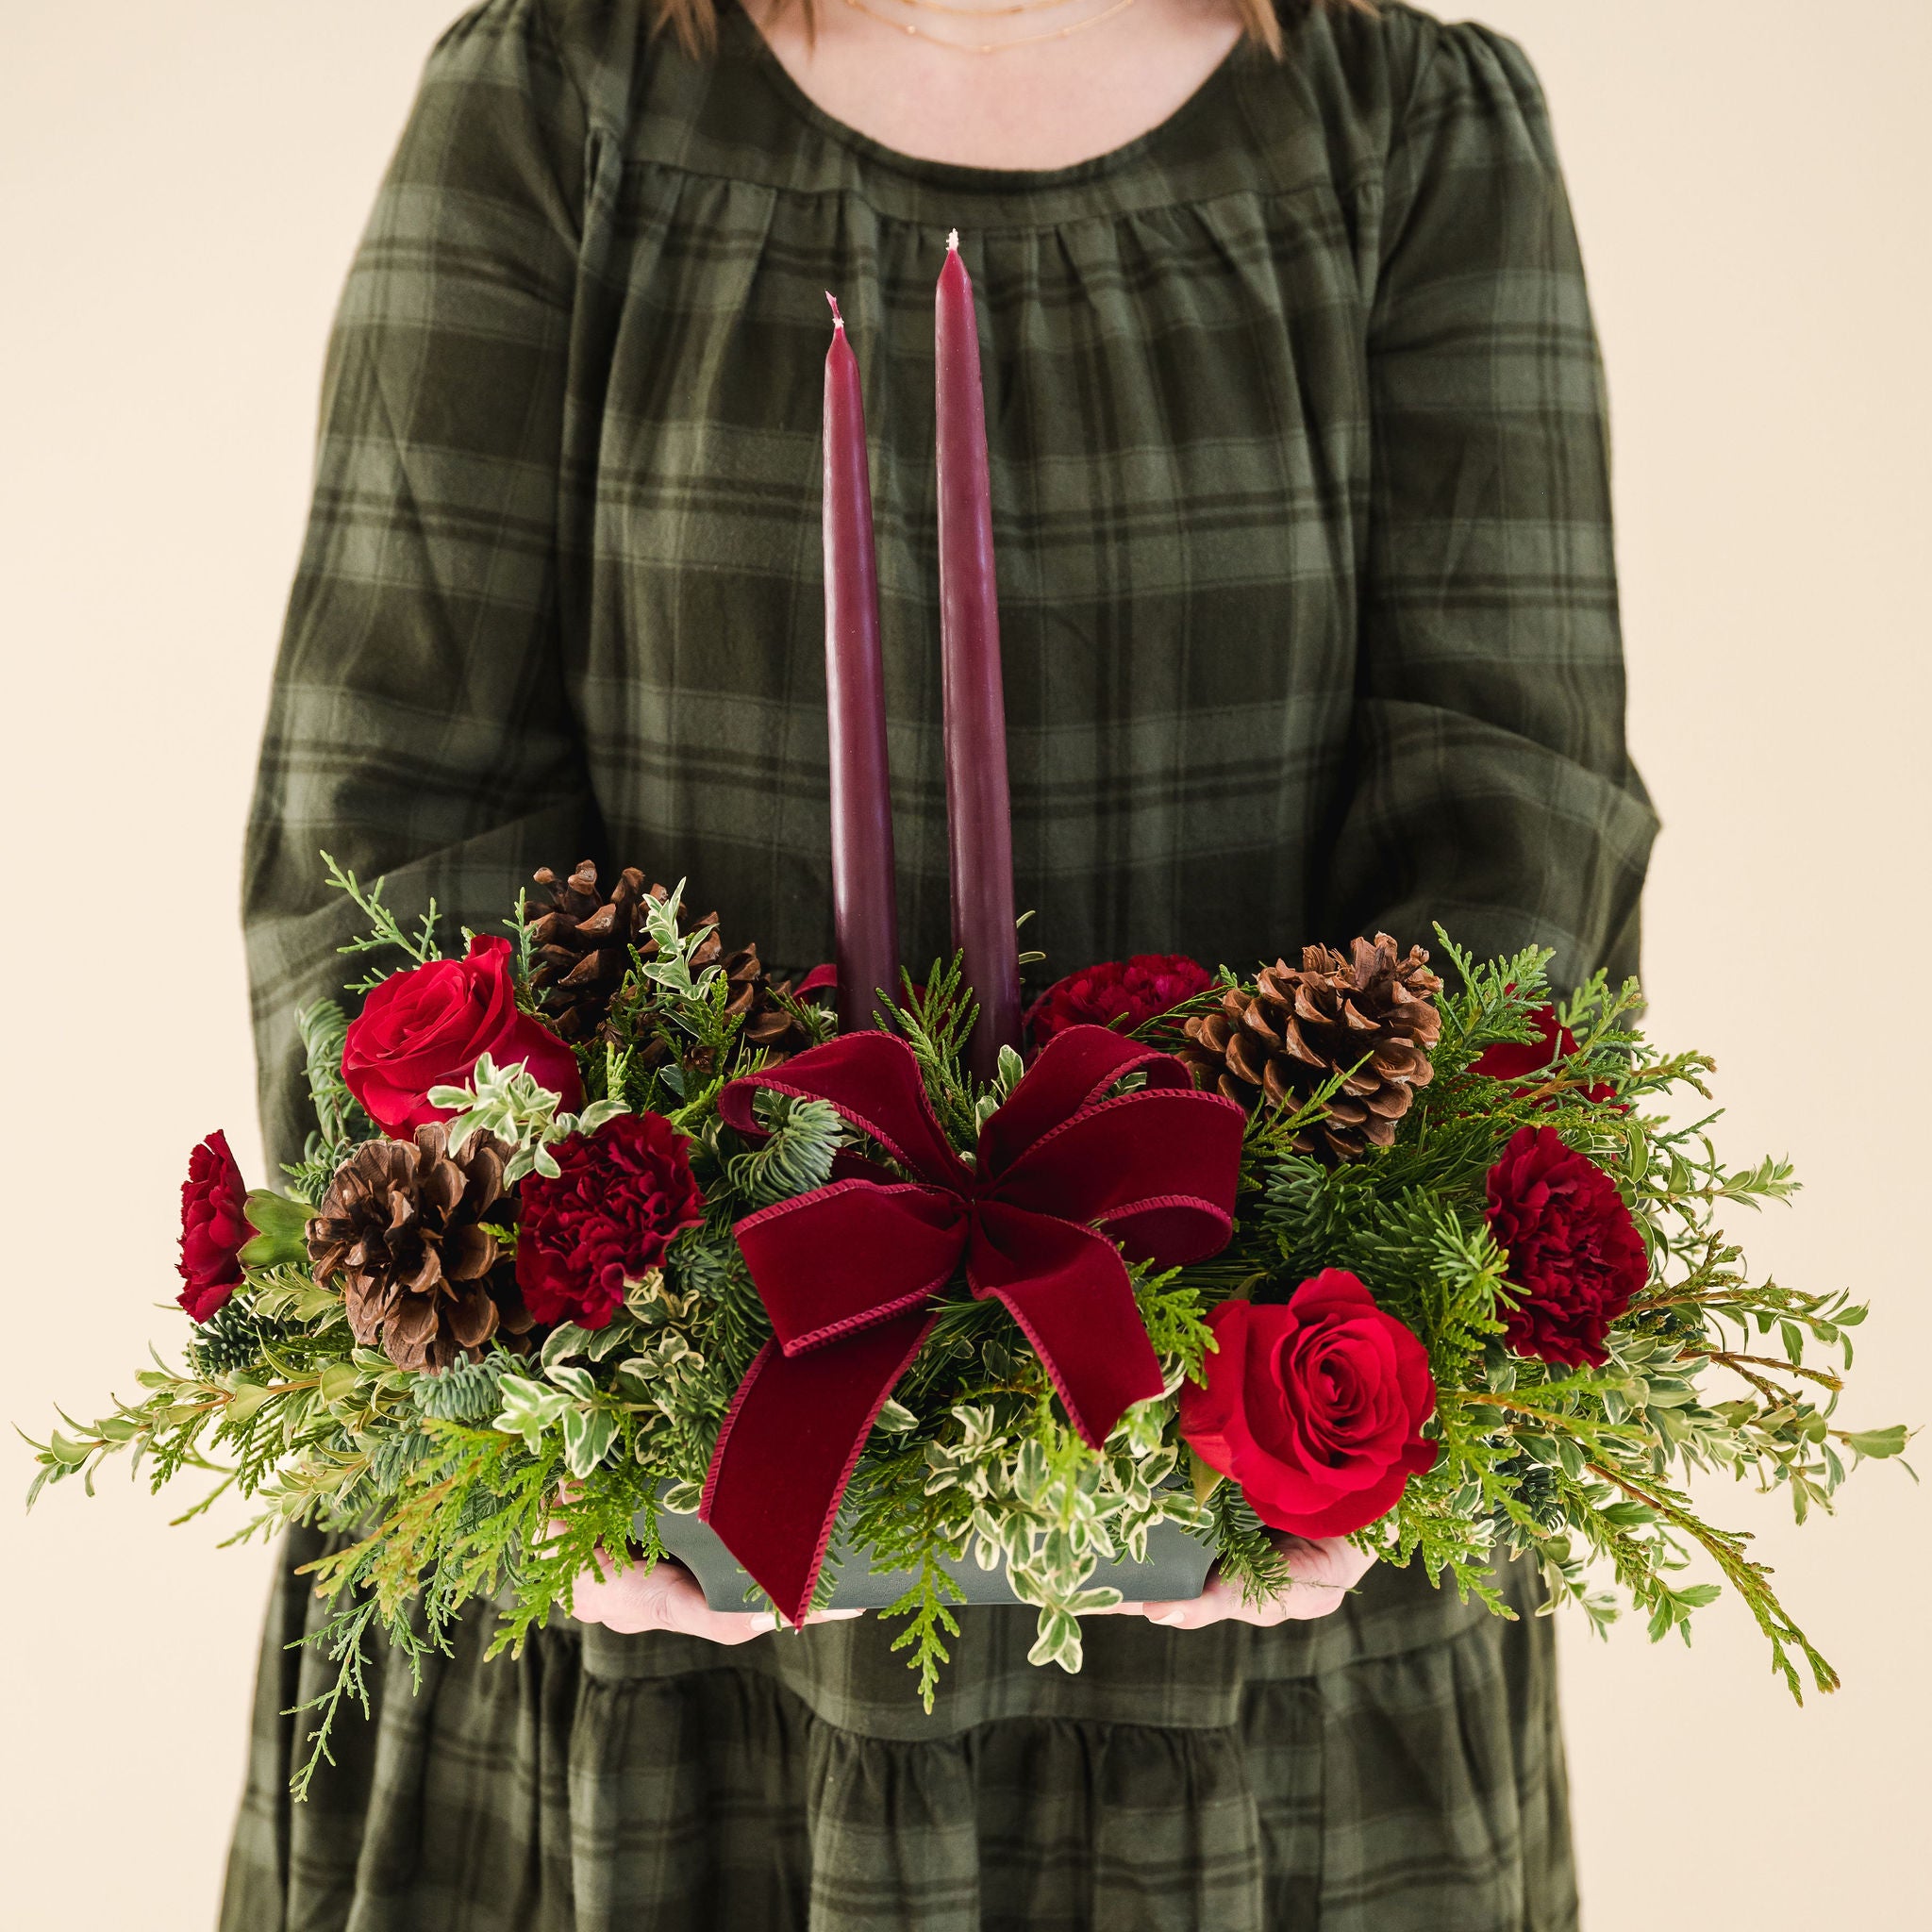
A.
x: 1315, y: 1409
x: 621, y: 1195
x: 1576, y: 1258
x: 429, y: 1026
x: 214, y: 1228
x: 1518, y: 1061
x: 1122, y: 991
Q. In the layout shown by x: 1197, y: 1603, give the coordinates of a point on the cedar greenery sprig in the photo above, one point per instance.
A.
x: 508, y: 1475
x: 384, y: 931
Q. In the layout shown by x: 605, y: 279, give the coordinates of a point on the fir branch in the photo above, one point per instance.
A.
x: 802, y: 1139
x: 339, y: 1120
x: 1248, y: 1554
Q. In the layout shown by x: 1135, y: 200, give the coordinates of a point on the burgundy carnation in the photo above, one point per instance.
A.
x: 1576, y: 1261
x: 1315, y: 1408
x: 214, y: 1228
x: 1122, y: 992
x: 429, y: 1026
x: 607, y: 1217
x: 1520, y: 1061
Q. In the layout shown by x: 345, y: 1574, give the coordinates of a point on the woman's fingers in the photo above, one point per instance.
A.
x: 1324, y: 1570
x: 1330, y: 1565
x: 663, y: 1598
x: 667, y: 1598
x: 1213, y: 1605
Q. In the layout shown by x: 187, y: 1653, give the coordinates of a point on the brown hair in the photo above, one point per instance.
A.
x: 695, y: 23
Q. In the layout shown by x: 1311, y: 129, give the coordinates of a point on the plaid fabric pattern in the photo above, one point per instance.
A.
x: 1300, y: 483
x: 1300, y: 498
x: 1341, y: 1777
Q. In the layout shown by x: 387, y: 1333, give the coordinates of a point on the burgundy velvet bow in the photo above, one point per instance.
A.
x: 848, y: 1272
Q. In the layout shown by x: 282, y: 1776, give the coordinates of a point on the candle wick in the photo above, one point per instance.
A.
x: 953, y: 241
x: 838, y: 320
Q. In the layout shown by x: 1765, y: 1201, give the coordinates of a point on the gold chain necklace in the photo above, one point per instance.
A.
x: 985, y: 12
x: 1060, y: 33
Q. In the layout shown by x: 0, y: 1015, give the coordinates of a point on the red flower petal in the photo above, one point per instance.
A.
x: 1577, y: 1259
x: 1317, y: 1413
x: 1122, y: 994
x: 618, y: 1198
x: 428, y: 1027
x: 214, y: 1228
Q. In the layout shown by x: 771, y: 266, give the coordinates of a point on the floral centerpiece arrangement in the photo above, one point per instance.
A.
x: 600, y: 1223
x: 603, y: 1227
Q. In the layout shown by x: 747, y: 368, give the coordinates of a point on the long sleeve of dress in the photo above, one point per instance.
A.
x: 418, y: 725
x: 1491, y: 788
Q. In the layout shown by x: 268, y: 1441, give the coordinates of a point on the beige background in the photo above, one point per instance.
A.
x: 181, y: 183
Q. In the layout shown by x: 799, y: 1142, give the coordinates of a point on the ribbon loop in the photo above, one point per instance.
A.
x: 1158, y: 1144
x: 871, y: 1081
x: 850, y: 1256
x: 849, y: 1272
x: 1065, y: 1287
x: 1075, y: 1068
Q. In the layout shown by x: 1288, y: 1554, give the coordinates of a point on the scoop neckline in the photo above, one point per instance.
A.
x: 961, y: 175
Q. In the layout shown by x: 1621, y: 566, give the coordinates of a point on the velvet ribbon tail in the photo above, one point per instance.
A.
x: 788, y: 1449
x: 1065, y: 1285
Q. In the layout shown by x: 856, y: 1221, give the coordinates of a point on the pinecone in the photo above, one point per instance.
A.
x: 402, y: 1226
x: 584, y: 944
x: 755, y: 998
x: 1301, y: 1025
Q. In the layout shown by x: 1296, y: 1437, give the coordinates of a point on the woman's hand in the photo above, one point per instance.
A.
x: 667, y: 1598
x: 1325, y: 1572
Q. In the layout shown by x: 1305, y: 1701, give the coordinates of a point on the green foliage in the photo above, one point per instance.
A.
x: 464, y: 1393
x: 675, y: 953
x: 804, y: 1137
x: 936, y: 1022
x: 231, y: 1338
x: 1587, y: 1468
x: 1250, y: 1556
x: 324, y: 1028
x: 508, y: 1475
x: 671, y: 1035
x: 384, y: 934
x: 511, y: 1102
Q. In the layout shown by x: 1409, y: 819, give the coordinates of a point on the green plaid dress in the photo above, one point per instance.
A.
x: 1300, y: 494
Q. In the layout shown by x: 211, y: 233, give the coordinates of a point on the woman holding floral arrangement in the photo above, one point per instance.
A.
x: 1299, y: 474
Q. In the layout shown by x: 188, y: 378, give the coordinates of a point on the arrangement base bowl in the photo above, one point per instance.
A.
x: 1176, y: 1568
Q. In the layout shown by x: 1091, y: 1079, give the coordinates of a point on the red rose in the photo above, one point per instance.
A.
x: 621, y: 1195
x: 214, y: 1228
x: 1315, y: 1409
x: 1517, y: 1060
x: 1117, y: 990
x: 1576, y: 1258
x: 429, y: 1026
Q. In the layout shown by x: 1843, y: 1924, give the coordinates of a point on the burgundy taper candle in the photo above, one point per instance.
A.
x: 865, y: 902
x: 978, y: 810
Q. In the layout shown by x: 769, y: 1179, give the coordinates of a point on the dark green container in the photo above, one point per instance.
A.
x: 1176, y: 1568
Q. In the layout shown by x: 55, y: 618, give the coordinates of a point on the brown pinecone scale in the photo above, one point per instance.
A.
x: 583, y: 946
x: 401, y: 1227
x: 584, y: 943
x: 1302, y: 1026
x: 756, y: 998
